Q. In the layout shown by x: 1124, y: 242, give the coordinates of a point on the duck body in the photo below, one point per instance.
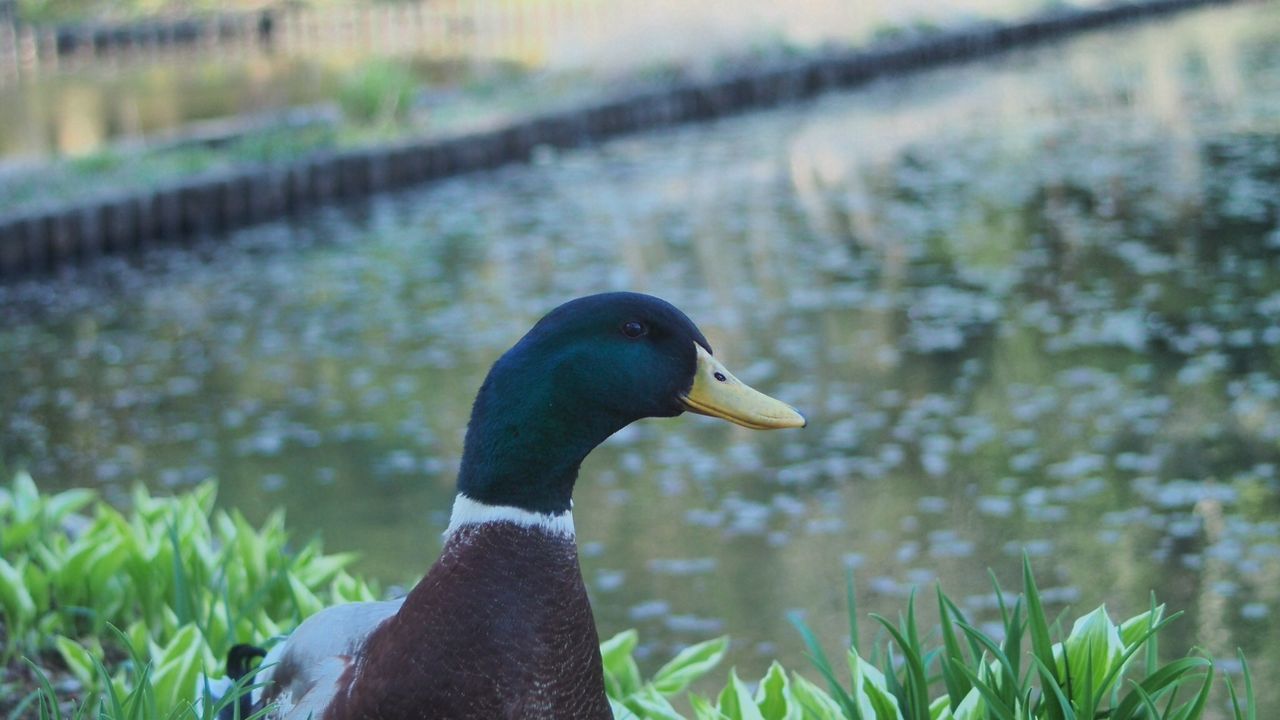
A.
x: 501, y: 597
x: 500, y: 627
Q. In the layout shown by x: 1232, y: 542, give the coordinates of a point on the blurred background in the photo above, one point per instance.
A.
x: 1029, y: 303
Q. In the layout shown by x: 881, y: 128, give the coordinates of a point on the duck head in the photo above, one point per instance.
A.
x: 589, y: 368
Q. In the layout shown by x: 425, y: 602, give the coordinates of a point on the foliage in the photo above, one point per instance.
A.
x: 1101, y: 669
x: 78, y: 11
x: 181, y: 581
x: 185, y: 582
x: 378, y: 92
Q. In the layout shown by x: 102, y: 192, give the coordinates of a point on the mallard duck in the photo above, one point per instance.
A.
x: 500, y: 626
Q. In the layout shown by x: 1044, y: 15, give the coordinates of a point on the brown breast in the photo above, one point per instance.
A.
x: 500, y: 627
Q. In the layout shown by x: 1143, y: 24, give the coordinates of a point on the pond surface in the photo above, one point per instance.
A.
x: 1028, y: 305
x: 80, y: 111
x: 80, y: 104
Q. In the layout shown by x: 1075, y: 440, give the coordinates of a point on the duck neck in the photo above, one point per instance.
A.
x: 525, y: 443
x: 468, y: 513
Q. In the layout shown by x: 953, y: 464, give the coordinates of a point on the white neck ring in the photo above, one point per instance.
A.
x: 473, y: 512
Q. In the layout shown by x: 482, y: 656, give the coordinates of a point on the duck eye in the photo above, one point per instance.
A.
x: 634, y: 329
x: 720, y: 376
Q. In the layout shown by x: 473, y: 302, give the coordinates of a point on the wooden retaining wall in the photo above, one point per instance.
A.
x: 41, y: 241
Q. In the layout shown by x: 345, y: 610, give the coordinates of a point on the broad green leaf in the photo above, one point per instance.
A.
x: 773, y: 696
x: 871, y: 690
x: 19, y: 533
x: 622, y: 644
x: 59, y: 506
x: 940, y: 708
x: 306, y: 601
x: 703, y: 709
x: 813, y: 700
x: 19, y: 607
x: 26, y: 496
x: 78, y: 660
x: 105, y: 561
x: 320, y: 569
x: 204, y: 495
x: 689, y: 664
x: 36, y: 582
x: 649, y: 703
x: 177, y: 665
x: 1091, y: 650
x: 346, y: 588
x: 1134, y: 628
x: 972, y: 707
x: 998, y: 709
x: 621, y: 674
x: 138, y: 636
x: 621, y: 712
x: 736, y: 701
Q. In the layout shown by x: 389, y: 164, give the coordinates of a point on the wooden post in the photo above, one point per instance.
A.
x: 12, y: 258
x: 116, y: 226
x: 35, y: 250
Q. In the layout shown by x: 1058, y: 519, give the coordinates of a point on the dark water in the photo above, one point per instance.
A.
x: 1029, y: 305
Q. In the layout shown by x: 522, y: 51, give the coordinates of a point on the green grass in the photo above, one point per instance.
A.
x: 378, y: 92
x: 132, y: 608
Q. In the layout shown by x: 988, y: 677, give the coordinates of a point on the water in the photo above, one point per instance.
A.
x: 80, y: 111
x: 72, y: 113
x: 81, y: 104
x: 1026, y: 304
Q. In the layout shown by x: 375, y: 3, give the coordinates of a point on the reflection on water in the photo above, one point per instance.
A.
x: 1032, y: 304
x: 78, y: 104
x: 80, y: 112
x: 73, y: 113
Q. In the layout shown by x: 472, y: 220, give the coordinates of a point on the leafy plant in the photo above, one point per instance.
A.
x: 1088, y: 674
x: 378, y: 92
x: 184, y: 581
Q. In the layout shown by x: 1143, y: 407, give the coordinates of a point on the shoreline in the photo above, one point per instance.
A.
x: 40, y: 241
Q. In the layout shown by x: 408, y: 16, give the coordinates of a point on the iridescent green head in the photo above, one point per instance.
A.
x: 589, y: 368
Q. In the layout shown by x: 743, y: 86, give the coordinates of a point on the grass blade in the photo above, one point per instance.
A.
x: 49, y: 709
x: 1165, y: 679
x: 1041, y: 644
x: 1251, y: 707
x: 1150, y: 634
x: 183, y: 605
x: 1195, y: 709
x: 1010, y: 682
x: 1052, y: 689
x: 1147, y: 702
x: 917, y: 684
x: 819, y: 660
x: 995, y: 704
x: 1153, y: 643
x: 851, y: 604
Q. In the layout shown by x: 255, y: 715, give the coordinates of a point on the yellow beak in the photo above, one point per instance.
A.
x: 717, y: 393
